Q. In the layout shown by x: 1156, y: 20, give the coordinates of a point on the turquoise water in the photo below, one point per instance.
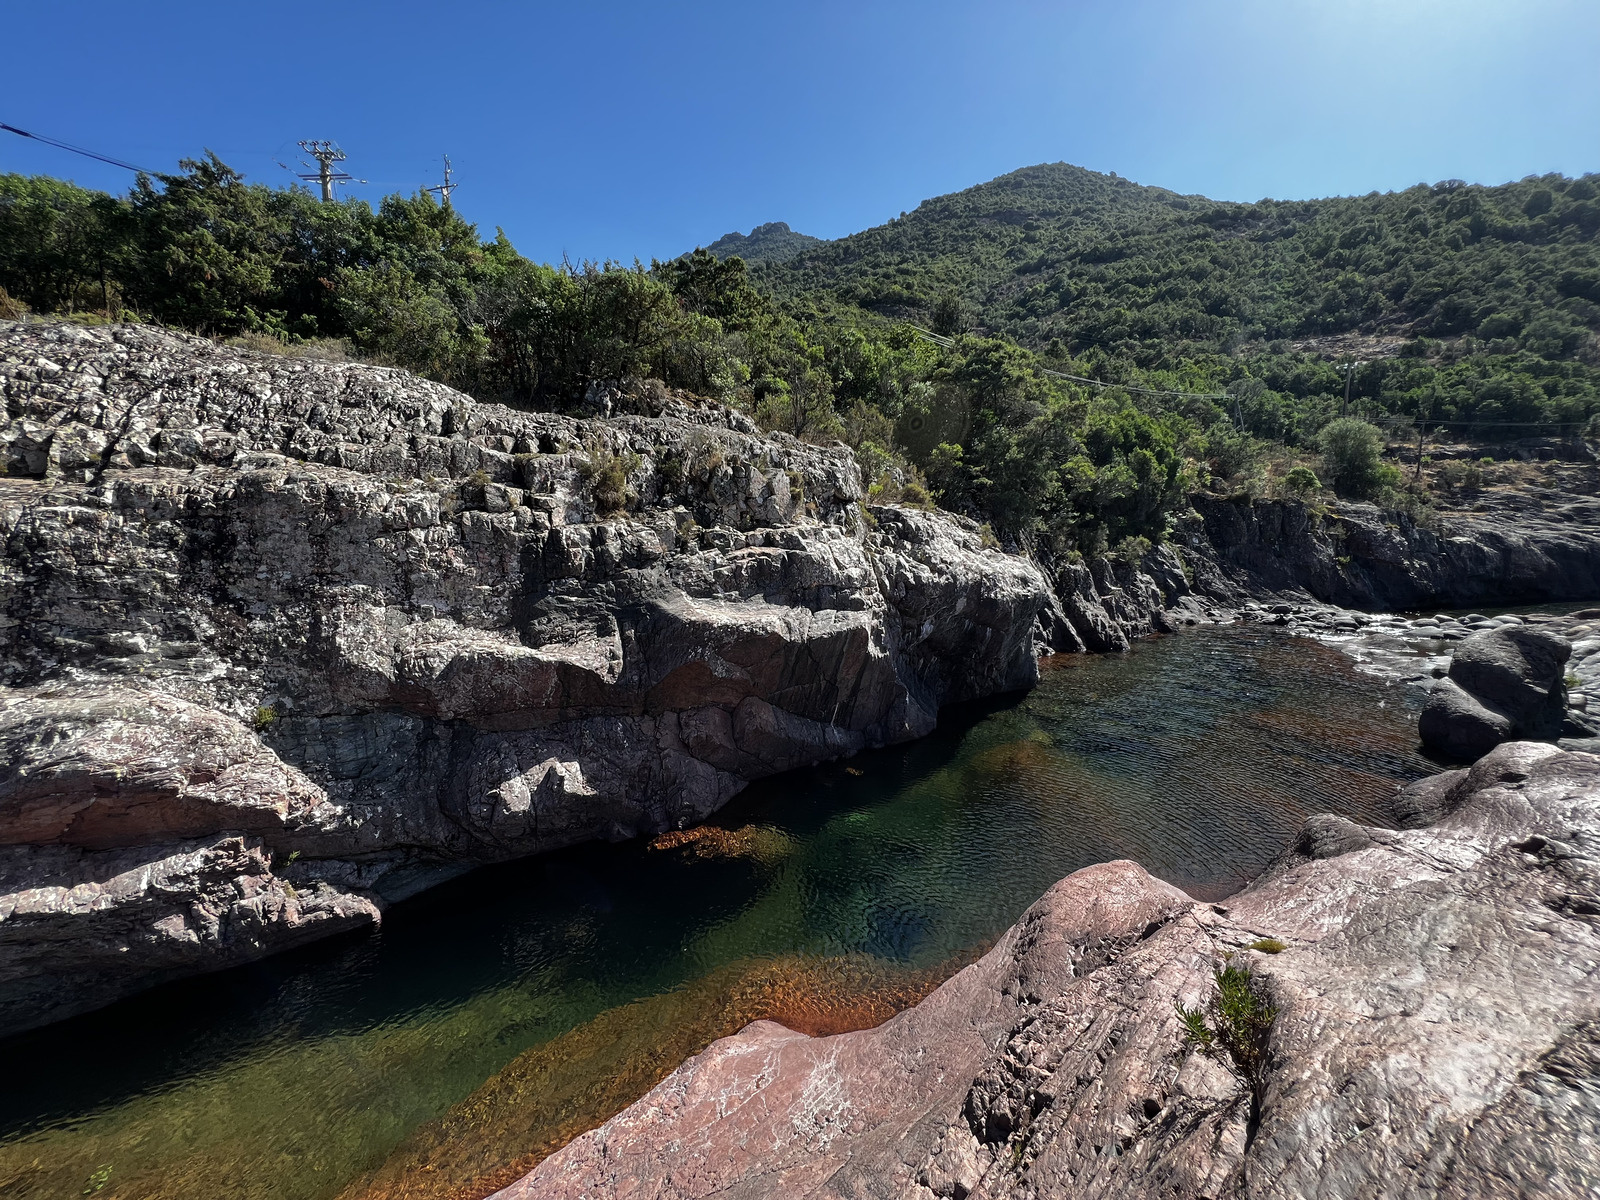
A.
x: 834, y: 894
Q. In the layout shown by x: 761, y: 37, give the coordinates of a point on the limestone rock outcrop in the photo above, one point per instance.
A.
x: 284, y: 639
x: 1436, y: 1034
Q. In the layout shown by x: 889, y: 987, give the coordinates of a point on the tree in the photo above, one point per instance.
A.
x: 206, y: 249
x: 1352, y: 454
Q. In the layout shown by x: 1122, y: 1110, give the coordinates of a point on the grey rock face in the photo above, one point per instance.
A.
x: 1361, y: 557
x: 1435, y: 1036
x: 363, y: 632
x: 1505, y: 682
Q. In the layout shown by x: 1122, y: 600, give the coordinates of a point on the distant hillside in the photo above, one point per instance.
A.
x: 1059, y: 252
x: 773, y: 242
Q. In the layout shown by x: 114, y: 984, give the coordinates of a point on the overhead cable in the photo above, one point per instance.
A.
x: 49, y: 141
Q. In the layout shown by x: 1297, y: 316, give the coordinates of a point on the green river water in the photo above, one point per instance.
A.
x: 496, y: 1016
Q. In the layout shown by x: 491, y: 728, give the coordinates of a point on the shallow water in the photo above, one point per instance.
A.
x: 495, y: 1017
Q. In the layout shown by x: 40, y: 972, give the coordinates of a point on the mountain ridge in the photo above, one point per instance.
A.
x: 773, y: 242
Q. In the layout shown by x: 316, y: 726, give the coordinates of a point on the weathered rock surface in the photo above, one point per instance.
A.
x: 1505, y: 682
x: 1437, y: 1035
x: 283, y: 639
x: 1286, y: 562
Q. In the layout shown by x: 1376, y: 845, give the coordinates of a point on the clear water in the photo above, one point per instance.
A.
x: 493, y: 1018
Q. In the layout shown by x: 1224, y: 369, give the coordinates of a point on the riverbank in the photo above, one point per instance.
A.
x: 286, y: 641
x: 1062, y: 1063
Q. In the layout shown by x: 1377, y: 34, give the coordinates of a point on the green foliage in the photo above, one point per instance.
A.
x: 1302, y: 481
x: 1499, y: 288
x: 1237, y: 1020
x: 1050, y: 269
x: 1269, y: 945
x: 263, y: 718
x: 1228, y: 453
x: 98, y: 1178
x: 1195, y: 1029
x: 1352, y: 455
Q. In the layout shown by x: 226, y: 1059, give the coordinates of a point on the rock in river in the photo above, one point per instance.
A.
x: 1505, y: 682
x: 283, y: 639
x: 1432, y: 1030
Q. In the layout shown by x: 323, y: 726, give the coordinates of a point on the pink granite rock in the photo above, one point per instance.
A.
x: 1438, y: 1034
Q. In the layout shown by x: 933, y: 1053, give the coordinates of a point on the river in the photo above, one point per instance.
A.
x: 493, y: 1018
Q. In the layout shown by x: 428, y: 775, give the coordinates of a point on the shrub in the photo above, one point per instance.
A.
x: 1240, y: 1017
x: 1459, y: 476
x: 263, y: 718
x: 1352, y: 454
x: 1230, y: 454
x: 1302, y: 481
x: 605, y: 478
x: 1132, y: 550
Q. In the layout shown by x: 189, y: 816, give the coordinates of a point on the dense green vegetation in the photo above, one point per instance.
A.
x: 772, y: 242
x: 1219, y: 326
x: 1496, y: 290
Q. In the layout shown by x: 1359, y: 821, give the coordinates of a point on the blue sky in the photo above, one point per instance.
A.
x: 629, y: 129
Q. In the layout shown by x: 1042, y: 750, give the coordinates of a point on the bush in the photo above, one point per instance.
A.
x: 1230, y: 454
x: 1302, y: 481
x: 605, y: 478
x: 1459, y: 476
x: 1352, y: 454
x: 1240, y: 1019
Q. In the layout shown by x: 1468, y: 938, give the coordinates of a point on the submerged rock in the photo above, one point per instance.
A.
x: 1432, y: 1029
x: 343, y: 632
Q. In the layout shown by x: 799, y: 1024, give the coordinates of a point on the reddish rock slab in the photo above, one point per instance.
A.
x: 1437, y: 1034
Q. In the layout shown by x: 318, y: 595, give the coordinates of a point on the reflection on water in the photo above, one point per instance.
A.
x: 492, y: 1019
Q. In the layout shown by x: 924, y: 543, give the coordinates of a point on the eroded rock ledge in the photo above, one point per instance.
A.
x: 1438, y: 1036
x: 282, y: 640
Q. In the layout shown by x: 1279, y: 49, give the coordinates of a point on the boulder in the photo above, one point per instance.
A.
x: 1519, y: 671
x: 1457, y: 725
x: 1505, y: 682
x: 1431, y: 1029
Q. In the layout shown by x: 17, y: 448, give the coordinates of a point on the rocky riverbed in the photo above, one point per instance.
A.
x: 1413, y: 1013
x: 283, y: 640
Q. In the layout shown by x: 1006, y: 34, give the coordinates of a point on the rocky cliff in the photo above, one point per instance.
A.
x: 1409, y: 1013
x: 284, y: 639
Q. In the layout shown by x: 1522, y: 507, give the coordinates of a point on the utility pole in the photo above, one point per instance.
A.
x: 1349, y: 378
x: 1424, y: 411
x: 326, y: 154
x: 444, y: 189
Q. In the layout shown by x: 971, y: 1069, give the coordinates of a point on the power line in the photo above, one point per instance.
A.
x: 67, y: 146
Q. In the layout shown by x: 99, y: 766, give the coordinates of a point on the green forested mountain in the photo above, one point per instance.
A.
x: 1210, y: 335
x: 770, y: 243
x: 1056, y: 252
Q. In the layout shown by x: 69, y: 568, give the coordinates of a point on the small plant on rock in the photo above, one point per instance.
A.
x: 605, y: 476
x: 264, y: 717
x: 1238, y: 1020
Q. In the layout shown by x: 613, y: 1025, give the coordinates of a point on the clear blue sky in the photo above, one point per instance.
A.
x: 623, y: 129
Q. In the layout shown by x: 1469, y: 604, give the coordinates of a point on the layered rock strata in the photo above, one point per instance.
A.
x: 283, y: 639
x: 1436, y: 1033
